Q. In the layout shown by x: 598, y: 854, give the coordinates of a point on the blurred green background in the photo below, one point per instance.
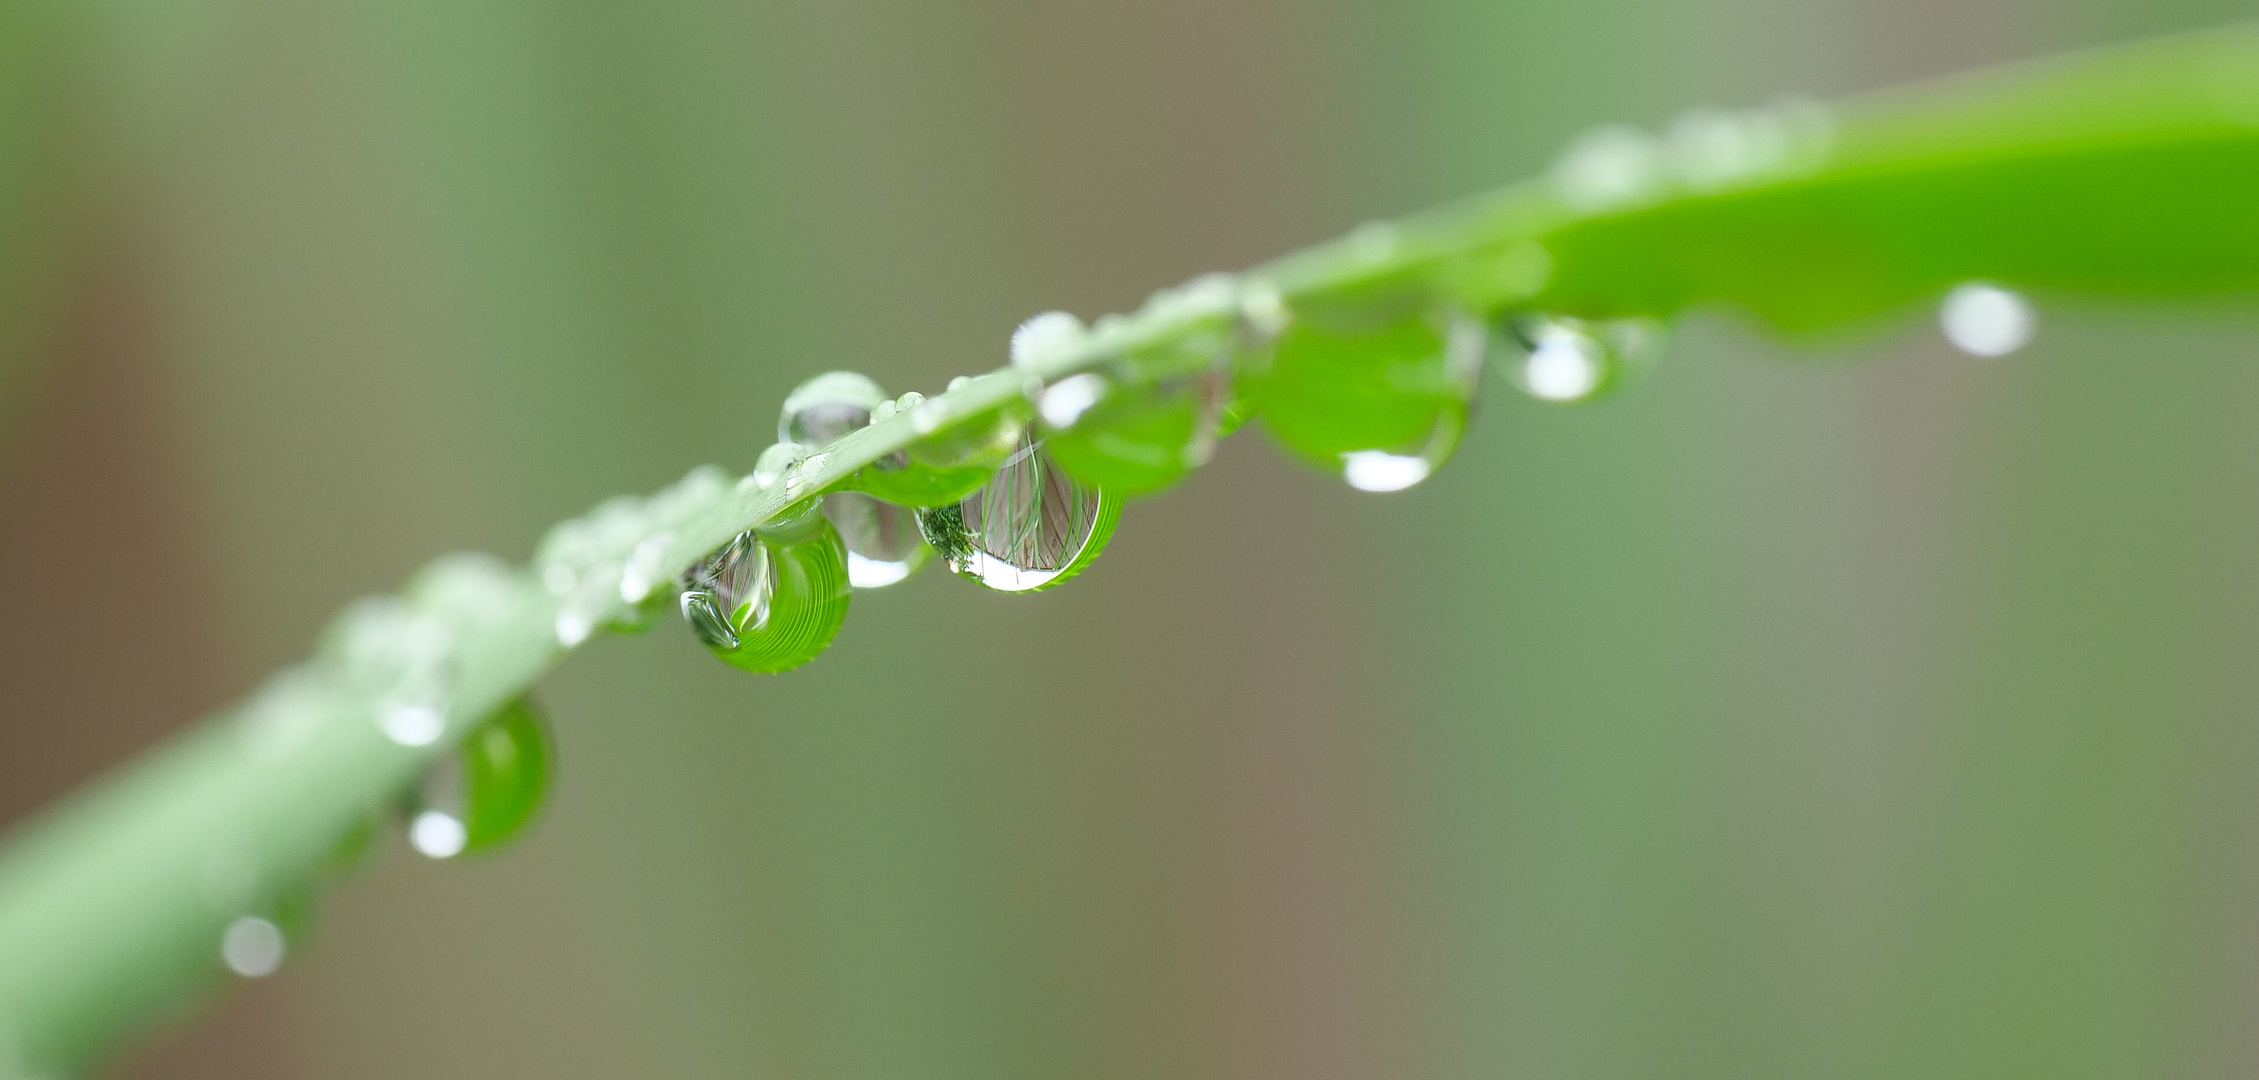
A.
x: 1790, y: 718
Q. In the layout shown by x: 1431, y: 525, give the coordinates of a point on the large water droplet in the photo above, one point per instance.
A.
x: 483, y: 793
x: 1031, y: 527
x: 1557, y: 358
x: 882, y: 539
x: 1987, y: 320
x: 773, y: 598
x: 1382, y: 378
x: 1146, y: 418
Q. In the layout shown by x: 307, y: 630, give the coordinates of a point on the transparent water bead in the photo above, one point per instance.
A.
x: 1611, y: 167
x: 1368, y: 384
x: 1563, y: 359
x: 1145, y: 419
x: 827, y: 407
x: 483, y: 794
x: 882, y: 539
x: 1986, y: 320
x: 773, y: 598
x: 1032, y: 527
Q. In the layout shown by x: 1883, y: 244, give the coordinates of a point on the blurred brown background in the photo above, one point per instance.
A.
x: 1790, y: 718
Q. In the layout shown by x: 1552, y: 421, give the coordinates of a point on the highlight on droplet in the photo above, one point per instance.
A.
x: 1987, y: 320
x: 437, y: 834
x: 1379, y: 470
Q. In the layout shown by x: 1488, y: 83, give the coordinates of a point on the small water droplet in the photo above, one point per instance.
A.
x: 926, y: 418
x: 253, y: 947
x: 827, y: 407
x: 773, y: 598
x: 1987, y: 320
x: 882, y: 539
x: 1045, y: 340
x: 1031, y: 527
x: 1063, y: 402
x: 959, y: 383
x: 1561, y: 359
x: 1609, y: 167
x: 484, y: 792
x: 773, y: 463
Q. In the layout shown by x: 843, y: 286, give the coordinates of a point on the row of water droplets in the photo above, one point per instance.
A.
x: 1374, y: 382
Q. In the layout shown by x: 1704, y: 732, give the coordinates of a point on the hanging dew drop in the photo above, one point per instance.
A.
x: 1986, y: 320
x: 482, y: 795
x: 1031, y: 527
x: 1375, y: 386
x: 773, y: 598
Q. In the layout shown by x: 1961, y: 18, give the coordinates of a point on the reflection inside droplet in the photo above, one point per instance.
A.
x: 1033, y: 525
x: 1987, y: 320
x: 1379, y: 470
x: 252, y: 947
x: 437, y: 834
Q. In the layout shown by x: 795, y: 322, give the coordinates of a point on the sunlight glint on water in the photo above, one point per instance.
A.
x: 1986, y: 320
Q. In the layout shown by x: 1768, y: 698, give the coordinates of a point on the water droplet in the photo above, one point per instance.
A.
x: 827, y: 407
x: 1031, y: 527
x: 1361, y: 374
x: 484, y: 792
x: 253, y: 947
x: 882, y: 539
x: 1987, y: 320
x: 772, y: 598
x: 773, y: 463
x: 1557, y: 358
x: 1609, y: 167
x: 1045, y: 340
x: 959, y: 382
x: 1153, y: 421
